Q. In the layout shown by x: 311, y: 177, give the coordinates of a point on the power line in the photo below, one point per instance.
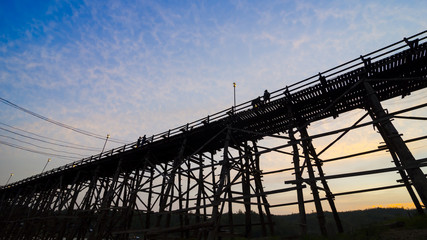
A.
x: 41, y: 140
x: 57, y: 140
x: 80, y: 155
x: 84, y: 132
x: 39, y: 152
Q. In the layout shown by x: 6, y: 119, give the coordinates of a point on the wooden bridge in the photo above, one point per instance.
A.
x: 185, y: 182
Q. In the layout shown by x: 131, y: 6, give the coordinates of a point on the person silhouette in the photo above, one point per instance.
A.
x: 143, y: 140
x: 256, y: 102
x: 138, y: 143
x: 266, y: 96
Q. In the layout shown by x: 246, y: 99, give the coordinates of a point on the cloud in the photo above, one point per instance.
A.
x: 145, y: 67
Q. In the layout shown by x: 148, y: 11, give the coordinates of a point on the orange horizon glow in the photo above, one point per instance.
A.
x: 408, y: 205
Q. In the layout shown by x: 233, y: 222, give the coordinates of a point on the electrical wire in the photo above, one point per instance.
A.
x: 38, y: 146
x: 53, y: 139
x: 84, y: 132
x: 48, y: 142
x: 39, y: 152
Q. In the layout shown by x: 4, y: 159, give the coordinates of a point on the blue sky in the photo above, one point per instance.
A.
x: 129, y: 68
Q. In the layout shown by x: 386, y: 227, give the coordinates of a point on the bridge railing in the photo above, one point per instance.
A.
x: 310, y: 81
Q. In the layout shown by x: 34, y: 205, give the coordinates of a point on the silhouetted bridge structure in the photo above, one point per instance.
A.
x: 187, y: 182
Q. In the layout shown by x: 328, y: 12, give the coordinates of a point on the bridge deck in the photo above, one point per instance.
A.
x: 396, y: 75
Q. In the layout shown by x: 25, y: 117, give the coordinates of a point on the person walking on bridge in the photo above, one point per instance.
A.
x: 138, y: 143
x: 266, y: 96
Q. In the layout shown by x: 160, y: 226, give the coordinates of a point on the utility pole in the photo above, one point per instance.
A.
x: 9, y: 178
x: 234, y: 86
x: 108, y: 136
x: 48, y: 160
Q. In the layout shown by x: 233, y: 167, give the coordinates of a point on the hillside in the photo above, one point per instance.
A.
x: 378, y: 223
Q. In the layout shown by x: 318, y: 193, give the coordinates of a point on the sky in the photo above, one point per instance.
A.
x: 129, y: 68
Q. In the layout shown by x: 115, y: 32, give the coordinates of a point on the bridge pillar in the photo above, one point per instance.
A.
x: 150, y: 196
x: 249, y: 174
x: 312, y: 182
x: 71, y: 195
x: 402, y: 173
x: 16, y: 203
x: 101, y: 224
x: 219, y: 191
x: 244, y: 162
x: 261, y: 196
x: 169, y: 186
x: 308, y: 150
x: 19, y: 205
x: 85, y: 220
x: 298, y: 178
x: 395, y: 143
x: 329, y: 195
x: 405, y: 180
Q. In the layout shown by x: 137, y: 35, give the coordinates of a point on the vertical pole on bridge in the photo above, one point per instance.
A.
x: 200, y: 190
x: 234, y: 87
x: 308, y: 150
x: 313, y: 185
x: 216, y: 214
x: 85, y: 223
x: 71, y: 196
x: 329, y: 196
x: 187, y: 200
x: 230, y: 203
x: 20, y: 201
x: 100, y: 229
x: 401, y: 172
x: 298, y: 178
x: 395, y: 142
x: 169, y: 186
x: 180, y: 201
x: 162, y: 195
x: 259, y: 190
x: 129, y: 200
x: 150, y: 196
x: 244, y: 162
x: 405, y: 180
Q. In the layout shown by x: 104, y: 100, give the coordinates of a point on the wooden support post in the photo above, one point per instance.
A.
x: 187, y: 203
x: 407, y: 184
x: 100, y: 229
x: 150, y: 196
x: 128, y: 203
x: 329, y: 195
x: 74, y: 191
x: 169, y: 191
x: 85, y: 224
x: 395, y: 142
x: 101, y: 192
x: 25, y: 202
x: 19, y: 201
x: 230, y: 205
x: 162, y: 196
x: 314, y: 190
x: 49, y: 195
x: 180, y: 200
x: 298, y: 178
x: 170, y: 195
x: 213, y: 168
x: 246, y: 189
x: 402, y: 173
x: 199, y: 188
x: 225, y: 168
x: 129, y: 200
x: 260, y: 190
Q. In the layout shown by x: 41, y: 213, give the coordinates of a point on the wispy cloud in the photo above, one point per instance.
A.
x: 130, y: 69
